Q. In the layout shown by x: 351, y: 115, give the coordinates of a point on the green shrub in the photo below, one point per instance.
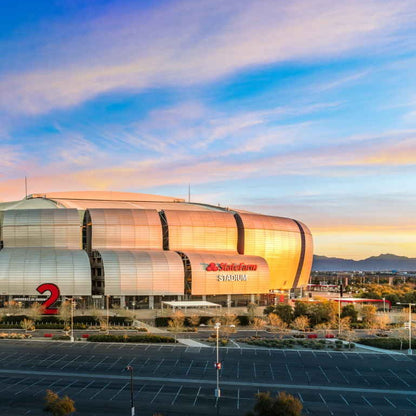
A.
x: 131, y: 338
x: 61, y: 337
x: 120, y: 320
x: 386, y: 343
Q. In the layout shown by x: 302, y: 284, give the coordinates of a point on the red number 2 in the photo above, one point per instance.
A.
x: 53, y: 297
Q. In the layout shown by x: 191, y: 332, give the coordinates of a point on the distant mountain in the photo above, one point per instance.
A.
x: 383, y: 262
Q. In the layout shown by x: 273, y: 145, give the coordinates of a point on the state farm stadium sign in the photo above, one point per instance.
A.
x: 220, y: 268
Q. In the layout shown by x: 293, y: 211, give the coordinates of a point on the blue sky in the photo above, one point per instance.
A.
x: 304, y: 109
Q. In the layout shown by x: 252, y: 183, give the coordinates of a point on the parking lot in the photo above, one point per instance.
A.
x: 177, y: 380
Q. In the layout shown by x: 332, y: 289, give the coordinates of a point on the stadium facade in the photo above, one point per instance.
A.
x: 140, y: 249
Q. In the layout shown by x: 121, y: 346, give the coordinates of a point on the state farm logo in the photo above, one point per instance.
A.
x: 230, y: 267
x: 212, y: 267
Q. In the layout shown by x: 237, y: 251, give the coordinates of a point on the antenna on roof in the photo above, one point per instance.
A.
x: 189, y: 192
x: 25, y: 187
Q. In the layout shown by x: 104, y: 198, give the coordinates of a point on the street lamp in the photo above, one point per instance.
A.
x: 384, y: 305
x: 409, y: 351
x: 130, y: 368
x: 72, y: 319
x: 218, y: 364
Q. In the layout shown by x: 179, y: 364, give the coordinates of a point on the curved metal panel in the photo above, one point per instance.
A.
x: 279, y: 241
x: 220, y: 274
x: 202, y: 231
x: 136, y: 272
x: 60, y: 228
x: 308, y: 260
x: 22, y: 270
x: 126, y: 229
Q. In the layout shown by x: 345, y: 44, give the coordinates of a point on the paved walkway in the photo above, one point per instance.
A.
x: 192, y: 343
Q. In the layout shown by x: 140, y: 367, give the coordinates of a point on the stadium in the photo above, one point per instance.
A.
x: 138, y: 250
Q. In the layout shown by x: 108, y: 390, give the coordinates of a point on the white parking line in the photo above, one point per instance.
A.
x: 403, y: 381
x: 100, y: 362
x: 196, y: 397
x: 30, y: 386
x: 98, y: 392
x: 371, y: 405
x: 254, y: 369
x: 238, y: 369
x: 323, y: 372
x: 69, y: 362
x: 122, y: 388
x: 238, y: 398
x: 290, y: 375
x: 7, y: 357
x: 86, y: 386
x: 57, y: 361
x: 359, y: 374
x: 86, y: 362
x: 17, y: 383
x: 411, y: 402
x: 345, y: 400
x: 114, y: 363
x: 342, y: 375
x: 189, y: 368
x: 177, y: 394
x: 300, y: 398
x: 47, y: 387
x: 157, y: 394
x: 389, y: 402
x: 45, y: 359
x: 385, y: 381
x: 271, y: 370
x: 67, y: 386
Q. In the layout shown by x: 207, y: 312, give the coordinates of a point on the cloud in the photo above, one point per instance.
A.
x: 184, y: 43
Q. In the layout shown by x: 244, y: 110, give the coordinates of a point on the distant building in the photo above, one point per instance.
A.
x: 139, y: 249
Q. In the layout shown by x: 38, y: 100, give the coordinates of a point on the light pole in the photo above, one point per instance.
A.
x: 108, y: 313
x: 384, y: 305
x: 130, y: 368
x: 218, y: 364
x: 72, y: 319
x: 409, y: 351
x: 339, y: 317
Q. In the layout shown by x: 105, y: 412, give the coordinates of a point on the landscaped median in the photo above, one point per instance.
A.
x: 145, y: 339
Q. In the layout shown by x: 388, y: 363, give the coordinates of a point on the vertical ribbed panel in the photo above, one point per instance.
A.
x: 279, y: 241
x: 308, y: 260
x: 60, y: 228
x: 222, y: 282
x: 126, y: 229
x: 22, y: 270
x: 134, y: 272
x: 202, y: 231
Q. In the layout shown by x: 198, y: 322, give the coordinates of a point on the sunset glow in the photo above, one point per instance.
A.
x: 303, y: 109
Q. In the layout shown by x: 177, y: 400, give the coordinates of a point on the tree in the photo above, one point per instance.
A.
x: 35, y: 311
x: 58, y: 406
x: 283, y: 404
x: 194, y: 321
x: 65, y: 312
x: 349, y: 310
x: 229, y: 322
x: 251, y: 310
x: 27, y: 325
x: 301, y: 323
x: 258, y: 324
x: 278, y: 324
x: 12, y: 308
x: 368, y: 312
x: 285, y: 312
x: 301, y: 309
x: 176, y: 322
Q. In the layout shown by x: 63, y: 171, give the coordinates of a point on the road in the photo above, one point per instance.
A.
x: 177, y: 380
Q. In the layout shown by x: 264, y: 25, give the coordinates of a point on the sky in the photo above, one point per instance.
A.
x: 303, y: 109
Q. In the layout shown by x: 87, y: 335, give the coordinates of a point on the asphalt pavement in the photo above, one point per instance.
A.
x: 178, y: 380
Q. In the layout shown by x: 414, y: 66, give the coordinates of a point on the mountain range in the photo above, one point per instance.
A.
x: 383, y: 262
